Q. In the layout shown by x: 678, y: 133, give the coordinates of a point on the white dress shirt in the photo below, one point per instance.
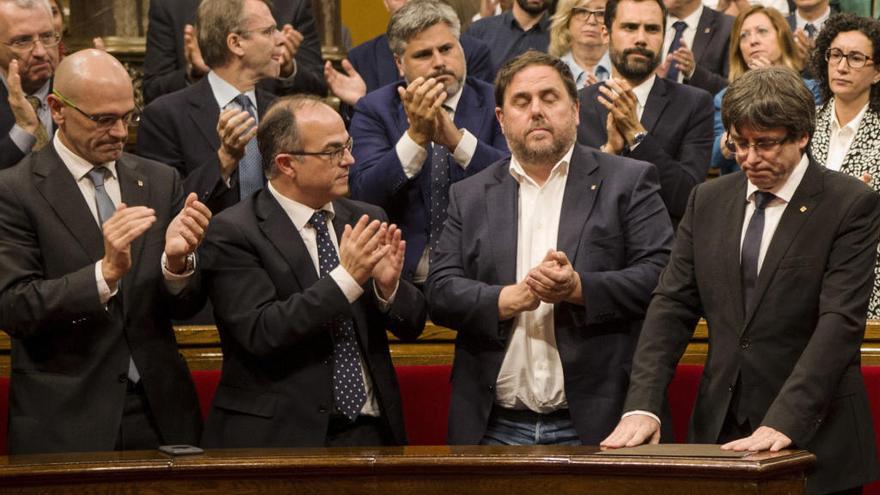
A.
x: 841, y: 138
x: 79, y: 169
x: 300, y: 215
x: 602, y: 70
x: 690, y: 32
x: 800, y: 22
x: 531, y: 375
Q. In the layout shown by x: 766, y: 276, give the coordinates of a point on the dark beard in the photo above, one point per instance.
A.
x: 524, y: 4
x: 634, y: 71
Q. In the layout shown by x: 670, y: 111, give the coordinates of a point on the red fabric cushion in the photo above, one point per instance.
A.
x: 425, y: 391
x: 682, y: 395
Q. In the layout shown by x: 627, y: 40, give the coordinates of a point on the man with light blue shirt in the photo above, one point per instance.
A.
x: 581, y: 77
x: 207, y: 130
x: 28, y: 56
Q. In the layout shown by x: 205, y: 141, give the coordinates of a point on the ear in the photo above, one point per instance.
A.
x: 499, y: 114
x: 399, y: 64
x: 284, y: 165
x: 55, y: 106
x: 233, y: 44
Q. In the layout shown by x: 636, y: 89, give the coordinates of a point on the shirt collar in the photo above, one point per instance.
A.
x: 77, y: 165
x: 643, y: 90
x: 852, y: 124
x: 800, y: 22
x: 786, y: 191
x: 561, y: 168
x: 224, y: 92
x: 452, y: 101
x: 298, y: 213
x: 692, y: 20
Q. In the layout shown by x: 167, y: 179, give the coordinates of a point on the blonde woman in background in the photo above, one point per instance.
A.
x: 578, y: 37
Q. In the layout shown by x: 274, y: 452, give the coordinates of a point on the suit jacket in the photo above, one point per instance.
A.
x: 678, y: 119
x: 614, y: 229
x: 274, y: 315
x: 70, y: 353
x: 165, y: 64
x: 375, y: 63
x: 711, y: 46
x: 9, y: 152
x: 180, y: 129
x: 796, y: 349
x: 377, y: 176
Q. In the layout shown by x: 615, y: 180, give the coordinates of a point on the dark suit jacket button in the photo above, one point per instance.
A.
x: 730, y: 389
x: 744, y: 343
x: 491, y: 388
x: 322, y: 409
x: 122, y: 377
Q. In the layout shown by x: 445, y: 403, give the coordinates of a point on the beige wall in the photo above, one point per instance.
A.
x: 365, y: 18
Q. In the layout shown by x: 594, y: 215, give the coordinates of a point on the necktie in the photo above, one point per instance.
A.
x: 439, y: 190
x: 751, y: 246
x: 810, y: 30
x: 348, y: 384
x: 105, y: 211
x: 679, y: 26
x: 250, y: 167
x: 41, y: 135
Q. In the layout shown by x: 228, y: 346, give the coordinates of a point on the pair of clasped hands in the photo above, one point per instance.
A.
x: 552, y: 281
x: 373, y: 249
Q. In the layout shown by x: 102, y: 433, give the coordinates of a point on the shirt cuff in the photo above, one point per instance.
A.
x: 411, y: 155
x: 24, y: 140
x: 465, y: 150
x: 346, y: 283
x: 639, y: 412
x: 384, y: 305
x: 292, y: 73
x: 176, y: 282
x: 104, y: 290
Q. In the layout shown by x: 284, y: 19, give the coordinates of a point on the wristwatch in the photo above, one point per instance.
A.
x: 636, y: 140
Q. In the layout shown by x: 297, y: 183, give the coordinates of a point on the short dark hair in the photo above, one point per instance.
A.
x: 532, y: 57
x: 415, y: 17
x: 611, y: 12
x: 841, y: 23
x: 278, y: 129
x: 215, y: 19
x: 768, y: 98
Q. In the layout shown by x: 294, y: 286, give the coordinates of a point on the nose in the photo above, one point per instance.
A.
x: 39, y: 50
x: 751, y: 157
x: 347, y: 158
x: 279, y: 37
x: 119, y: 129
x: 437, y: 59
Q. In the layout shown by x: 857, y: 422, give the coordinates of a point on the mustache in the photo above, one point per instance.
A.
x: 640, y: 51
x: 441, y: 72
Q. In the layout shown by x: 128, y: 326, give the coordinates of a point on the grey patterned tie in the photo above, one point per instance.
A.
x: 751, y: 246
x: 349, y: 391
x: 439, y: 190
x: 105, y: 211
x: 250, y: 167
x: 811, y: 30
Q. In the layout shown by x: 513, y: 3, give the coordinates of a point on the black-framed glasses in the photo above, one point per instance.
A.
x: 102, y: 120
x: 265, y: 31
x: 855, y: 60
x: 27, y: 43
x: 762, y: 146
x: 583, y: 14
x: 336, y: 154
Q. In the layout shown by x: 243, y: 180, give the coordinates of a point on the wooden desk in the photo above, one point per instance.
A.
x: 441, y: 470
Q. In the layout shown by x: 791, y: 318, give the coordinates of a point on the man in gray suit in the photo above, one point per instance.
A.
x: 96, y: 256
x: 545, y: 267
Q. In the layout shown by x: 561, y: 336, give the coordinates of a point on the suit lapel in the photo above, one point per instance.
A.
x: 584, y: 182
x: 795, y: 216
x: 134, y: 189
x: 501, y: 207
x: 281, y: 232
x: 705, y: 31
x: 735, y: 202
x: 657, y: 101
x: 204, y: 112
x: 591, y: 130
x: 61, y: 192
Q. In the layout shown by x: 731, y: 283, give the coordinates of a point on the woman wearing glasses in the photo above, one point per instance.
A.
x: 847, y: 136
x: 760, y: 38
x: 578, y: 37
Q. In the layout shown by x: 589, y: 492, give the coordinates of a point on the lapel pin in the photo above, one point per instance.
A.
x: 593, y: 187
x: 707, y: 30
x: 140, y: 183
x: 803, y: 209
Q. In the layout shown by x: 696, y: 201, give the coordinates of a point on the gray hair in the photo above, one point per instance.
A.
x: 215, y: 19
x: 415, y: 17
x: 768, y: 98
x: 30, y: 4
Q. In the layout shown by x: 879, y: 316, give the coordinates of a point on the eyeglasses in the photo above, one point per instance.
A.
x: 265, y: 31
x: 335, y: 155
x: 104, y: 120
x: 763, y: 146
x: 25, y: 44
x: 855, y: 60
x: 583, y: 14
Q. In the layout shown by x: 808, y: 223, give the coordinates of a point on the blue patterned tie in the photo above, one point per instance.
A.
x: 751, y: 246
x: 439, y: 190
x: 348, y: 384
x: 679, y: 26
x: 250, y: 167
x: 105, y: 211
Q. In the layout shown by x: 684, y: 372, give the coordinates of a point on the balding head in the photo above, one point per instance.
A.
x: 91, y: 102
